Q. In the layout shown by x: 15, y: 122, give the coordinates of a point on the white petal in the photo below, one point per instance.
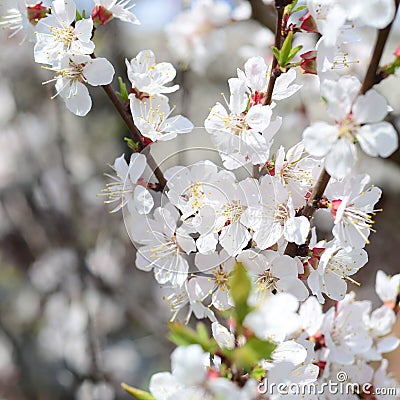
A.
x: 289, y: 351
x: 386, y: 287
x: 163, y: 385
x: 163, y: 73
x: 315, y: 284
x: 121, y: 167
x: 137, y: 165
x: 224, y: 338
x: 178, y: 124
x: 124, y: 15
x: 83, y: 29
x: 80, y: 47
x: 283, y: 266
x: 388, y: 344
x: 382, y: 320
x: 370, y: 107
x: 238, y: 99
x: 341, y: 159
x: 283, y: 88
x: 79, y: 101
x: 143, y: 200
x: 340, y: 95
x: 319, y: 138
x: 378, y: 139
x: 335, y: 286
x: 65, y: 10
x: 234, y: 238
x: 221, y: 299
x: 378, y: 13
x: 143, y: 60
x: 297, y: 229
x: 259, y: 117
x: 207, y: 243
x: 99, y: 72
x: 268, y: 235
x: 293, y: 286
x: 256, y: 71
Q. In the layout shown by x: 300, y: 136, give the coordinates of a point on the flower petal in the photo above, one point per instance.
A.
x: 319, y: 138
x: 378, y: 139
x: 99, y: 72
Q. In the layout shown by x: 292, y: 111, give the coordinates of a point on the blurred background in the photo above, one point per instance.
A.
x: 76, y: 317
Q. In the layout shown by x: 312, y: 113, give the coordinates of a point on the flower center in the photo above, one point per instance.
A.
x: 281, y: 213
x: 236, y: 123
x: 64, y: 35
x: 348, y: 129
x: 220, y: 277
x: 233, y: 211
x: 290, y: 172
x: 265, y: 281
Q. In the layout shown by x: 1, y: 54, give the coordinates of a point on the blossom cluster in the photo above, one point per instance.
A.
x: 206, y: 225
x: 311, y: 348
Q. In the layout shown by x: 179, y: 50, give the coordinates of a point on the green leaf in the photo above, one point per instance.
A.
x: 136, y: 393
x: 289, y: 7
x: 202, y: 331
x: 293, y: 52
x: 299, y: 8
x: 182, y: 335
x: 285, y: 50
x: 79, y: 16
x: 240, y: 287
x: 131, y: 144
x: 276, y: 54
x: 123, y: 91
x: 251, y: 353
x: 258, y: 372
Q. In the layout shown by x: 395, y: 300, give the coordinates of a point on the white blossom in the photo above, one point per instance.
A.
x: 149, y: 77
x: 119, y: 9
x: 358, y: 119
x: 72, y: 73
x: 153, y: 118
x: 127, y: 187
x: 57, y: 37
x: 164, y: 245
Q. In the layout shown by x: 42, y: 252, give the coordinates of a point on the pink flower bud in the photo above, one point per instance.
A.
x: 36, y: 13
x: 258, y: 98
x: 397, y: 51
x: 101, y: 15
x: 335, y: 206
x: 309, y: 63
x: 308, y: 23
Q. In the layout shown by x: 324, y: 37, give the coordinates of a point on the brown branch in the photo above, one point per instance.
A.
x: 25, y: 380
x: 372, y: 77
x: 275, y: 70
x: 324, y: 178
x: 263, y: 13
x: 135, y: 133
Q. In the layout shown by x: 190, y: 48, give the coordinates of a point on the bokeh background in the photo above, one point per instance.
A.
x: 76, y: 317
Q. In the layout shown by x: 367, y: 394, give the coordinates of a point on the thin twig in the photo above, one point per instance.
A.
x: 275, y: 72
x: 369, y: 81
x: 371, y: 77
x: 25, y: 381
x: 263, y: 13
x: 135, y: 133
x: 278, y: 43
